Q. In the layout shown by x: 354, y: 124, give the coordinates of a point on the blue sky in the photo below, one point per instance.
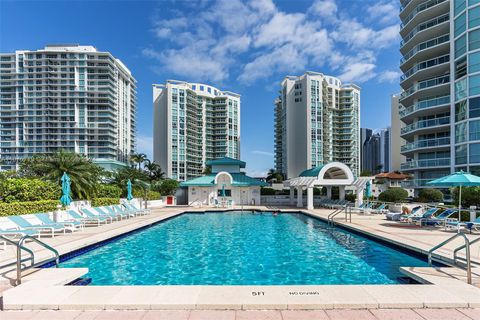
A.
x: 241, y: 46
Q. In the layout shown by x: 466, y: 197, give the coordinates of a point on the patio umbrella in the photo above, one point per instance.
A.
x: 368, y: 189
x: 458, y: 179
x: 129, y: 190
x: 223, y: 191
x: 65, y: 199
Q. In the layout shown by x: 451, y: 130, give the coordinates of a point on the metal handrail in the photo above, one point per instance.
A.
x: 31, y: 258
x: 455, y: 258
x: 20, y: 247
x: 332, y: 215
x: 467, y: 253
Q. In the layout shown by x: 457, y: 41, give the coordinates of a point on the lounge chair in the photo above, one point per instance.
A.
x: 48, y: 228
x: 396, y: 216
x: 97, y: 220
x: 91, y: 215
x: 107, y: 211
x: 69, y: 225
x: 363, y: 206
x: 130, y: 206
x: 119, y: 209
x: 441, y: 219
x: 455, y: 224
x: 426, y: 215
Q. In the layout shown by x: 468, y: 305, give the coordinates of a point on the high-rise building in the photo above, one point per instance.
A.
x: 441, y: 83
x: 193, y: 123
x: 375, y: 151
x: 395, y: 157
x: 426, y: 104
x: 317, y: 121
x: 68, y: 97
x: 365, y: 134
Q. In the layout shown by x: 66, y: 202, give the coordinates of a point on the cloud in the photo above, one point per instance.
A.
x: 389, y: 76
x: 145, y: 145
x: 263, y: 153
x: 250, y: 41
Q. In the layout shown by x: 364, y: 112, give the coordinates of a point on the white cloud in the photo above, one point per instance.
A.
x: 263, y: 153
x: 255, y: 40
x: 389, y: 76
x: 145, y: 145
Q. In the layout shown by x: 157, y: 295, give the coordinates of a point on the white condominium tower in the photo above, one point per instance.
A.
x: 193, y: 123
x: 66, y: 97
x: 440, y: 102
x: 317, y: 121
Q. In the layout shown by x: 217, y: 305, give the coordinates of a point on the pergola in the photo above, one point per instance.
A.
x: 328, y: 175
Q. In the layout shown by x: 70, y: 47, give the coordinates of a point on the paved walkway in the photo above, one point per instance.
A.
x: 377, y: 314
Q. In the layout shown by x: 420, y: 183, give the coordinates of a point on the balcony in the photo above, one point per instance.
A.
x: 420, y: 9
x: 425, y: 84
x: 425, y: 163
x: 426, y: 104
x: 427, y: 143
x: 425, y: 124
x: 424, y: 46
x: 428, y: 68
x: 434, y: 26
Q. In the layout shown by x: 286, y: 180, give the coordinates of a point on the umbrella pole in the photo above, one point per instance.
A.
x: 459, y: 203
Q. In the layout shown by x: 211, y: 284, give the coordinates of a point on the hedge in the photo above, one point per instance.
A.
x: 26, y: 207
x: 430, y: 195
x: 100, y: 202
x: 23, y: 189
x: 267, y: 192
x: 393, y: 195
x: 108, y: 191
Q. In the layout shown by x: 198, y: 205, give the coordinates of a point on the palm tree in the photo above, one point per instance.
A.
x: 82, y: 172
x: 153, y: 170
x: 138, y: 158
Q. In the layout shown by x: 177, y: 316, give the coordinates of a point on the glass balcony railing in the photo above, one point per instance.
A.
x: 426, y: 25
x: 427, y: 143
x: 425, y: 65
x: 425, y: 163
x: 421, y: 7
x: 428, y: 103
x: 437, y: 81
x: 425, y: 45
x: 425, y: 124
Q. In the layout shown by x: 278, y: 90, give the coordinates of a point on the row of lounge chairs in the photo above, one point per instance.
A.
x: 73, y: 220
x: 370, y: 207
x: 332, y: 204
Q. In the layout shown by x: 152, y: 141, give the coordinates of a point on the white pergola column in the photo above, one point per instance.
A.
x: 341, y: 192
x: 310, y: 198
x: 292, y: 196
x: 359, y: 198
x: 329, y: 192
x: 299, y: 197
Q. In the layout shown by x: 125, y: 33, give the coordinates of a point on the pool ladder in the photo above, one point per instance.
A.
x: 466, y: 261
x: 20, y: 247
x: 336, y: 212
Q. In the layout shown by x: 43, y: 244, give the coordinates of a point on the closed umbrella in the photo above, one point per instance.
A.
x: 223, y: 191
x: 368, y: 189
x: 65, y: 199
x: 129, y: 190
x: 458, y: 179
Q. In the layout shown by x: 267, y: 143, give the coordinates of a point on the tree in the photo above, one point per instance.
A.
x: 393, y: 195
x: 167, y: 187
x: 378, y: 168
x: 138, y: 158
x: 207, y: 170
x: 83, y: 173
x: 470, y: 196
x: 365, y: 173
x: 430, y: 195
x: 153, y: 171
x: 274, y: 176
x: 121, y: 177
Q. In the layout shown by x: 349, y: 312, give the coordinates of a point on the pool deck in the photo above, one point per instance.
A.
x: 444, y: 288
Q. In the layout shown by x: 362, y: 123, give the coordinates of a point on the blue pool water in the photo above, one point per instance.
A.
x: 240, y: 249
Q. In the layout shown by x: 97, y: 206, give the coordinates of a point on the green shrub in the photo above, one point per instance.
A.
x: 26, y: 207
x: 24, y: 189
x: 154, y: 195
x: 167, y: 187
x: 267, y: 192
x: 350, y: 197
x: 100, y: 202
x: 108, y: 191
x: 430, y: 195
x: 393, y: 195
x: 470, y: 196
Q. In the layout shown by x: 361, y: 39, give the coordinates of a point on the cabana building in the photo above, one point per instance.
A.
x: 227, y: 184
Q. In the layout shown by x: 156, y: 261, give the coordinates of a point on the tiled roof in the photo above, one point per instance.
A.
x: 393, y: 175
x: 239, y: 180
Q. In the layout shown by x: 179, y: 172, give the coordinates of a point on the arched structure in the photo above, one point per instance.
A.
x: 328, y: 175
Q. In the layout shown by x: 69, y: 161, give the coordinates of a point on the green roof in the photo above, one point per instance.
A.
x: 226, y: 161
x: 239, y: 180
x: 311, y: 172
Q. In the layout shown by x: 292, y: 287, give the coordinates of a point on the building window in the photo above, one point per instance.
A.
x: 474, y: 108
x: 228, y: 193
x: 472, y: 2
x: 460, y: 110
x: 474, y: 62
x: 474, y: 130
x: 474, y: 40
x: 460, y: 24
x: 461, y: 68
x: 474, y: 155
x: 460, y: 46
x: 459, y: 6
x: 460, y: 89
x: 474, y: 85
x: 461, y: 154
x: 461, y: 132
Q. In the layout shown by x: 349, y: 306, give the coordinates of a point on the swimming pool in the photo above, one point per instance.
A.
x: 233, y: 248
